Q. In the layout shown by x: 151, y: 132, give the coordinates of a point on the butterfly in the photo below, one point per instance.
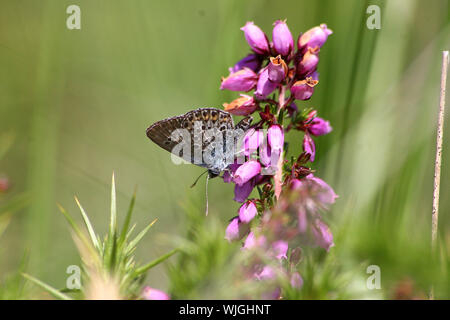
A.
x: 209, y: 139
x: 207, y: 131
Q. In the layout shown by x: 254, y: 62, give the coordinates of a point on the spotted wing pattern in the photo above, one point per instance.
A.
x: 206, y: 118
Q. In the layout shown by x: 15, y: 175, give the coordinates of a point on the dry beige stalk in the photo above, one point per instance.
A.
x: 437, y: 164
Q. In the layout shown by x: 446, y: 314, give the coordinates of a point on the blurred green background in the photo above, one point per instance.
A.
x: 74, y: 106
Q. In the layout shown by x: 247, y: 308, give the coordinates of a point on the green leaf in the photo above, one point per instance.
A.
x: 76, y: 229
x: 138, y: 238
x: 47, y: 287
x: 88, y: 224
x: 154, y: 263
x: 71, y: 222
x: 113, y: 223
x: 110, y: 246
x: 4, y: 222
x: 18, y: 202
x: 126, y: 223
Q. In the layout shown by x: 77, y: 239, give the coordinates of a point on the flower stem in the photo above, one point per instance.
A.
x: 437, y: 164
x: 281, y: 99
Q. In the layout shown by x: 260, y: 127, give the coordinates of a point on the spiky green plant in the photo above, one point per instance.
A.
x: 109, y: 262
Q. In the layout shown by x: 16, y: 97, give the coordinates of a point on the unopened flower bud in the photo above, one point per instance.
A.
x: 256, y: 38
x: 154, y: 294
x: 242, y: 80
x: 314, y: 37
x: 247, y: 212
x: 309, y: 146
x: 275, y: 137
x: 236, y: 230
x: 283, y: 42
x: 247, y: 171
x: 252, y: 61
x: 309, y: 62
x: 322, y: 235
x: 264, y: 87
x: 319, y: 127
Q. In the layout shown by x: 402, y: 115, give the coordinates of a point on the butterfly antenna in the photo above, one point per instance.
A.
x: 196, y: 180
x: 207, y: 179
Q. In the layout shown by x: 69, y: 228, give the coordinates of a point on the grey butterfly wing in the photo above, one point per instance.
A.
x: 194, y: 123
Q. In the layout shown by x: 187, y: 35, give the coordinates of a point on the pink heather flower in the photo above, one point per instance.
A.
x: 319, y: 127
x: 267, y: 273
x: 309, y: 146
x: 252, y: 241
x: 314, y: 37
x: 275, y: 137
x: 272, y: 295
x: 264, y: 87
x: 247, y: 171
x: 314, y: 75
x: 247, y: 212
x: 4, y: 184
x: 228, y: 174
x: 277, y: 69
x: 322, y: 235
x: 252, y: 61
x: 283, y: 41
x: 296, y: 280
x: 252, y: 141
x: 265, y: 155
x: 242, y: 80
x: 242, y: 106
x: 309, y: 62
x: 227, y: 178
x: 280, y: 249
x: 322, y: 193
x: 302, y: 219
x: 236, y: 230
x: 256, y: 38
x: 325, y: 194
x: 241, y: 192
x: 303, y: 89
x: 154, y: 294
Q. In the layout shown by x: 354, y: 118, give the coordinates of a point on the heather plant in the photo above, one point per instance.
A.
x: 287, y: 213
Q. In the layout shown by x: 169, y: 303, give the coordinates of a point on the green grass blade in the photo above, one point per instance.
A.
x: 72, y: 223
x: 138, y: 238
x: 154, y: 263
x: 76, y: 229
x: 111, y: 244
x: 54, y: 292
x: 5, y: 219
x: 126, y: 223
x: 88, y: 224
x: 113, y: 222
